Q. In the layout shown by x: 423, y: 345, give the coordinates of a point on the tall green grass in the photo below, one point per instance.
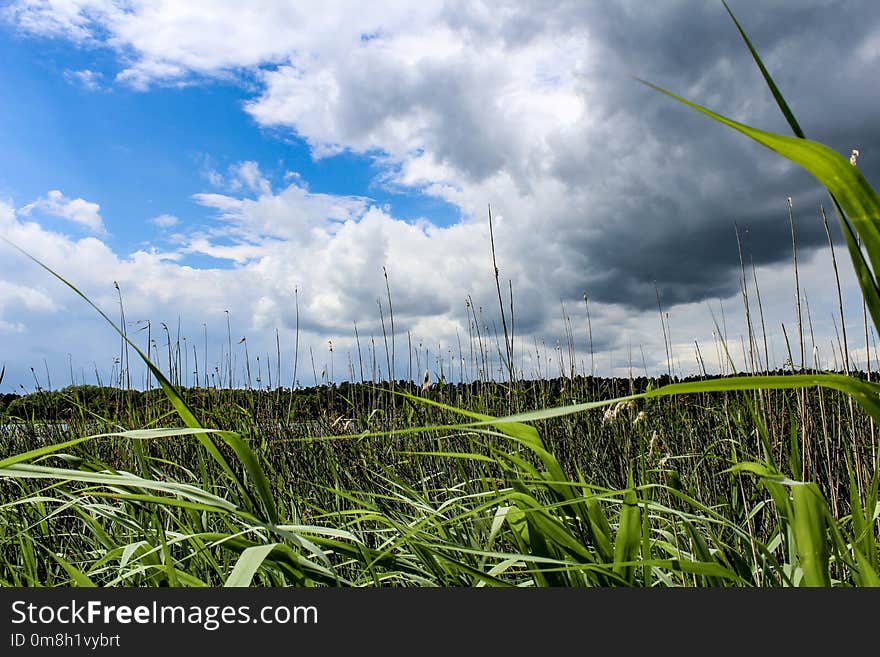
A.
x: 697, y: 483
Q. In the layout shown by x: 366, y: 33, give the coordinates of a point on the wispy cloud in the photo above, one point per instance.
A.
x: 165, y: 221
x: 86, y: 78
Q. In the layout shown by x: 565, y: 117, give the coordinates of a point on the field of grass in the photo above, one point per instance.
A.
x: 762, y: 479
x: 688, y: 490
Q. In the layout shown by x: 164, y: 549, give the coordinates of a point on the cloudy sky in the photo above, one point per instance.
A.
x: 238, y: 169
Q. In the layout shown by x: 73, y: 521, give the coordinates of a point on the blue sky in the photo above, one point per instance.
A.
x: 211, y: 157
x: 145, y: 153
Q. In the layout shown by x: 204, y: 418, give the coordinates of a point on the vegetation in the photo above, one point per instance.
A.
x: 759, y: 480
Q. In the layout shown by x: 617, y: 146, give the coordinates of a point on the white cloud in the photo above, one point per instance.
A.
x: 77, y: 210
x: 294, y: 213
x: 247, y: 174
x: 169, y: 39
x: 472, y: 108
x: 165, y: 221
x: 73, y: 20
x: 213, y: 177
x: 33, y: 299
x: 399, y: 78
x: 85, y: 78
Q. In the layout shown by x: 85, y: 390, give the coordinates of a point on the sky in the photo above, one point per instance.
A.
x: 255, y: 192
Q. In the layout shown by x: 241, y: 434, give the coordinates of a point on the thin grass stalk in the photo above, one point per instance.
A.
x: 508, y: 346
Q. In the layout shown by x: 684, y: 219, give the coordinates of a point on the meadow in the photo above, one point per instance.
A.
x: 756, y: 479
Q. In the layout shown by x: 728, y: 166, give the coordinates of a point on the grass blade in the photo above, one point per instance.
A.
x: 248, y: 564
x: 242, y: 450
x: 77, y: 577
x: 780, y: 100
x: 857, y: 201
x: 810, y: 536
x: 629, y: 534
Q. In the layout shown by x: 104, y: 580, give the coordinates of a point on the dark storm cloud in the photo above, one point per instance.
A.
x: 675, y: 226
x: 661, y: 186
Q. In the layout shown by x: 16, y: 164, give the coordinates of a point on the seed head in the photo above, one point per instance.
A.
x: 653, y: 444
x: 612, y: 412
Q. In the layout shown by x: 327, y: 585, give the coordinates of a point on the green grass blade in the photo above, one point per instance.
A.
x: 629, y: 534
x: 255, y: 472
x: 866, y: 278
x: 863, y: 392
x: 780, y: 100
x: 707, y: 569
x: 159, y: 501
x: 849, y: 188
x: 600, y: 529
x: 522, y: 432
x: 864, y: 540
x: 27, y: 471
x: 248, y: 564
x: 242, y: 450
x: 867, y: 575
x: 135, y: 434
x: 77, y: 577
x: 810, y: 534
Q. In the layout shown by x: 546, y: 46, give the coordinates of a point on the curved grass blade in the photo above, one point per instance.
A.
x: 867, y: 281
x: 122, y: 480
x: 522, y: 432
x: 807, y: 514
x: 866, y: 393
x: 691, y: 567
x: 844, y: 181
x: 255, y: 473
x: 780, y: 100
x: 302, y: 570
x: 854, y: 197
x: 242, y: 450
x: 159, y: 501
x: 135, y: 434
x: 600, y: 528
x: 867, y: 575
x: 864, y: 275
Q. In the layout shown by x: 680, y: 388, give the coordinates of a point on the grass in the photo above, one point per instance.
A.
x: 760, y: 480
